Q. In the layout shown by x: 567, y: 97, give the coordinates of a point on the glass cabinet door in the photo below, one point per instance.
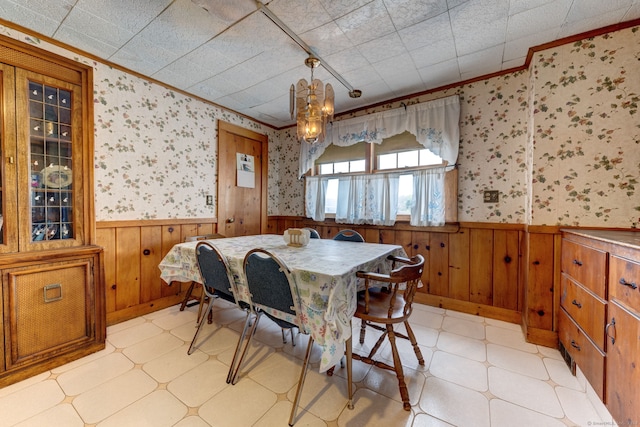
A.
x: 52, y: 157
x: 51, y: 161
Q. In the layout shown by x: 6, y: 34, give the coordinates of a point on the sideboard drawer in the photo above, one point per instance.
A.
x: 624, y: 282
x: 586, y: 355
x: 586, y: 265
x: 586, y: 309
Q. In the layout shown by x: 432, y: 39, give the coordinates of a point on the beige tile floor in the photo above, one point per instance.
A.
x: 478, y: 372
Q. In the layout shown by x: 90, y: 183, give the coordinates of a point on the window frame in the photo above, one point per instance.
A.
x: 371, y: 163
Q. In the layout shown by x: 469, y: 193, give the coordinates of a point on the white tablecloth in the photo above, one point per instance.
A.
x: 324, y: 272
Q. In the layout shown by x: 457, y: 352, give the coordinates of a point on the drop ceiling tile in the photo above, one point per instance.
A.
x: 405, y: 13
x: 375, y: 92
x: 488, y: 15
x: 182, y: 74
x: 234, y: 43
x: 576, y: 27
x: 367, y: 23
x: 585, y: 9
x: 347, y: 60
x: 39, y: 15
x: 520, y: 47
x: 519, y: 6
x: 482, y: 62
x: 382, y: 48
x: 633, y: 12
x: 84, y: 42
x: 360, y: 77
x: 227, y: 11
x: 438, y: 51
x: 221, y: 85
x: 538, y: 21
x: 338, y: 8
x: 181, y: 28
x: 208, y: 57
x: 96, y: 27
x: 513, y: 63
x: 300, y: 16
x: 206, y: 90
x: 406, y: 82
x: 427, y: 32
x: 326, y: 40
x: 130, y: 15
x: 456, y: 3
x: 142, y: 56
x: 440, y: 74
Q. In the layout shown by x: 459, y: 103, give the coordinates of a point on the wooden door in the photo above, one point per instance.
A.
x: 242, y: 200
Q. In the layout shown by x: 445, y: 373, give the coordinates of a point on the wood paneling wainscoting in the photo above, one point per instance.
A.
x: 500, y: 271
x: 132, y: 252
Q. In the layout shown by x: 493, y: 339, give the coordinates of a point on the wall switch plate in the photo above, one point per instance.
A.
x: 491, y: 196
x: 209, y: 200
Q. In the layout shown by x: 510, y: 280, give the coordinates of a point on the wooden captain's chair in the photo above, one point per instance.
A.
x: 382, y: 309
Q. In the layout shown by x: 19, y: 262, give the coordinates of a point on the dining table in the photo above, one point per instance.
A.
x: 324, y: 272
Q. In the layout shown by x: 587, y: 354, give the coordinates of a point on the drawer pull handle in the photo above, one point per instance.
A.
x: 576, y: 303
x: 574, y: 345
x: 606, y: 330
x: 578, y: 263
x: 52, y: 293
x: 632, y: 285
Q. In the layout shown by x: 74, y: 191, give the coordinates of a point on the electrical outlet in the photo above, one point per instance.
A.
x: 491, y: 196
x: 209, y: 200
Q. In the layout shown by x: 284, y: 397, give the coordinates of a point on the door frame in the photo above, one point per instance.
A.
x: 264, y: 178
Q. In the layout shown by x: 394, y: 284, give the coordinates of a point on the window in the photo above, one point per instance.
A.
x: 393, y: 163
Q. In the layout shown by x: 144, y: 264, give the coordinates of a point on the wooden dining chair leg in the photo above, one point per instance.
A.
x: 414, y: 343
x: 187, y: 296
x: 303, y: 375
x: 363, y: 330
x: 397, y: 365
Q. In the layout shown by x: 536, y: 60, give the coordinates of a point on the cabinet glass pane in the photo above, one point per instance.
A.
x: 51, y: 162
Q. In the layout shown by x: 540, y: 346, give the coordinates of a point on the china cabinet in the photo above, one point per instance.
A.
x: 52, y: 294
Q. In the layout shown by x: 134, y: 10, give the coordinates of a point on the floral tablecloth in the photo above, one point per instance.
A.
x: 324, y: 272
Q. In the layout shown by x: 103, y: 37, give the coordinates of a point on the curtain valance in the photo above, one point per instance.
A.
x: 435, y: 125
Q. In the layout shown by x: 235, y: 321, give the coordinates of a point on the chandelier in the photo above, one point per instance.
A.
x: 312, y: 105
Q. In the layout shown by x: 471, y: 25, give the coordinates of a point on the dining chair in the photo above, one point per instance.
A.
x: 273, y: 293
x: 349, y: 236
x: 313, y: 233
x: 188, y: 295
x: 382, y: 310
x: 218, y: 282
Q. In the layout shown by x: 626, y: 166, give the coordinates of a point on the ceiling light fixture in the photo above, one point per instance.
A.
x: 312, y: 105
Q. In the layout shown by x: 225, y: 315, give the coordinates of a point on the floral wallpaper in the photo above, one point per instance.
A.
x: 155, y: 149
x: 586, y: 131
x: 559, y: 141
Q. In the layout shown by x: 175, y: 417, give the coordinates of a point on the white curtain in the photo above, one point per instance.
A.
x: 368, y: 199
x: 428, y: 198
x: 435, y: 125
x: 315, y: 197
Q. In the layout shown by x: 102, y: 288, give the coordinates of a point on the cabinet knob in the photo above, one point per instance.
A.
x: 576, y: 303
x: 623, y: 282
x: 574, y: 345
x: 578, y: 263
x: 146, y: 252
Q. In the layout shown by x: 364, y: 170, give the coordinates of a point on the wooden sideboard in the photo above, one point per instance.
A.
x: 599, y: 324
